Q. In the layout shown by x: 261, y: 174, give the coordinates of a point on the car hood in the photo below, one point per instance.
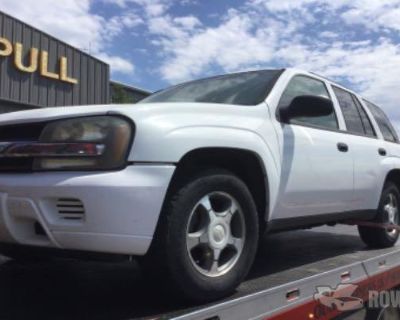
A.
x: 175, y: 114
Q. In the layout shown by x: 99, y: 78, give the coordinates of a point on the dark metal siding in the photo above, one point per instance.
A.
x: 31, y: 89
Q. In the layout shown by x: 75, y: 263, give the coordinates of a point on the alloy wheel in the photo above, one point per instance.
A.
x: 392, y: 211
x: 215, y: 234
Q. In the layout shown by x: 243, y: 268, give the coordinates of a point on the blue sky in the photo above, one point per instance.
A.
x: 138, y: 45
x: 155, y: 43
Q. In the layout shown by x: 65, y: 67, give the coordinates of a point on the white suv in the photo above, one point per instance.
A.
x: 190, y: 178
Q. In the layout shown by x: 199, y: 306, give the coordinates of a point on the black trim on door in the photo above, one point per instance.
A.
x: 318, y: 220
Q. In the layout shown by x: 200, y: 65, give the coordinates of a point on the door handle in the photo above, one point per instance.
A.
x: 342, y: 147
x: 382, y: 152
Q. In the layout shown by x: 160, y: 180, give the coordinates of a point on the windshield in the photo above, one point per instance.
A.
x: 248, y: 88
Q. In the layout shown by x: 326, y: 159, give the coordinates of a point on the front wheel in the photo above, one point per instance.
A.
x: 209, y: 236
x: 388, y: 212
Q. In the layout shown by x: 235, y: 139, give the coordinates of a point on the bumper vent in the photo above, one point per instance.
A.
x: 71, y: 209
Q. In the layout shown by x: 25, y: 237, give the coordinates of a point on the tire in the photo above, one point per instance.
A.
x: 382, y: 238
x: 190, y: 238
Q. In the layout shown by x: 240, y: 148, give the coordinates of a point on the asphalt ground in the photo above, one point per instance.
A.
x: 71, y: 289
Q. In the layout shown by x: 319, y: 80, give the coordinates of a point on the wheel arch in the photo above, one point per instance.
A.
x: 393, y: 176
x: 246, y: 164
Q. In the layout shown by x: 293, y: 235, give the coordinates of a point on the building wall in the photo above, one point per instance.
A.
x: 21, y: 90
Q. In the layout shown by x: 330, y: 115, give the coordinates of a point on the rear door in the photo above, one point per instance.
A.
x: 388, y: 146
x: 365, y: 147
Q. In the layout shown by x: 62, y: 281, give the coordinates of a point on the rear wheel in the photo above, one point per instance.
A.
x: 388, y: 212
x: 208, y: 237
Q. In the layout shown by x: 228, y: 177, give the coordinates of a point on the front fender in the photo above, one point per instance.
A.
x: 173, y: 145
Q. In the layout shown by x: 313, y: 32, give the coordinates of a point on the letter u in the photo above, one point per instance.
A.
x: 33, y: 59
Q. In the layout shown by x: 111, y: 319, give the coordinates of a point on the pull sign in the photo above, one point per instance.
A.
x: 37, y: 61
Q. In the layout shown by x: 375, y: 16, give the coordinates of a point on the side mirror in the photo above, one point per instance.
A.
x: 306, y: 106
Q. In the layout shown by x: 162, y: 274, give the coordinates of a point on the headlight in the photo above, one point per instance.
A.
x: 87, y: 143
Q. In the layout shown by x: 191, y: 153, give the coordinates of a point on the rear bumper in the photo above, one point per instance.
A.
x: 110, y: 212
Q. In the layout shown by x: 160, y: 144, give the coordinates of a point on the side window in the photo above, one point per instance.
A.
x: 369, y: 129
x: 301, y: 86
x: 350, y: 111
x: 389, y: 133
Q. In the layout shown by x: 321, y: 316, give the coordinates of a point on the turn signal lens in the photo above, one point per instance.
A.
x: 33, y: 149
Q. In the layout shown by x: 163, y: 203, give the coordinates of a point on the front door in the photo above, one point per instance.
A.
x: 316, y: 161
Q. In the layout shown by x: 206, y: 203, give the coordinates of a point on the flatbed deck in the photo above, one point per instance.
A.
x: 68, y: 289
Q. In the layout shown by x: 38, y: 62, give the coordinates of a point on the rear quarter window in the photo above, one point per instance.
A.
x: 388, y: 132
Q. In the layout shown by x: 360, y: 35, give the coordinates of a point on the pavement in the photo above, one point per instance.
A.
x: 70, y: 289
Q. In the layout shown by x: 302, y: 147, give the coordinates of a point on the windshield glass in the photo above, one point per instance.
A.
x: 248, y: 88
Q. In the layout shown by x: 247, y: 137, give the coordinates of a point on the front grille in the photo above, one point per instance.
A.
x: 70, y: 209
x: 19, y: 132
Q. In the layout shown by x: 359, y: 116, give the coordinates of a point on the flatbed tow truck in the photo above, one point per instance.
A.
x: 289, y: 269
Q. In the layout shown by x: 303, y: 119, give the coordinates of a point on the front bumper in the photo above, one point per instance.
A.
x: 110, y: 212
